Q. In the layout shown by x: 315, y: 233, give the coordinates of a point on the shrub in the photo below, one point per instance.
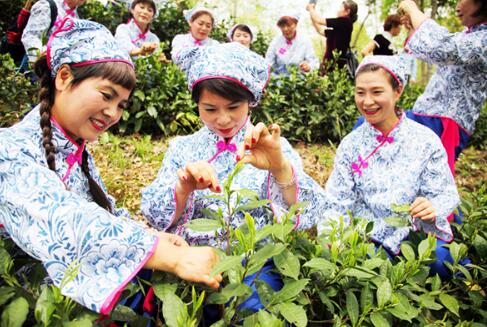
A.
x: 161, y: 101
x: 16, y: 92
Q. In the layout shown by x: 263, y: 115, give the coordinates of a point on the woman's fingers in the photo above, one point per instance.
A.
x: 204, y: 175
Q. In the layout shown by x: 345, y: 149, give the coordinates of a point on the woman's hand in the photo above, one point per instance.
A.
x: 264, y: 144
x: 172, y: 239
x: 190, y: 263
x: 423, y: 209
x: 197, y: 176
x: 304, y: 66
x: 148, y: 48
x: 412, y: 16
x: 195, y: 265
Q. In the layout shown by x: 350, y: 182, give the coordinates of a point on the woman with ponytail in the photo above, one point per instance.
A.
x: 53, y: 203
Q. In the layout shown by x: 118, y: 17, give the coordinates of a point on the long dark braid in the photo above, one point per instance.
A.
x: 96, y: 191
x: 46, y: 101
x: 118, y: 73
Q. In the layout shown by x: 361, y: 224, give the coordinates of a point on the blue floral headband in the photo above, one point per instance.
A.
x: 82, y: 42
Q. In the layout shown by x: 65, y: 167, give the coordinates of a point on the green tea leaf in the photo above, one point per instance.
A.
x: 366, y: 297
x: 384, y: 293
x: 287, y: 264
x: 378, y: 320
x: 352, y: 307
x: 15, y: 313
x: 290, y: 290
x: 6, y: 294
x: 203, y: 225
x: 174, y: 310
x: 396, y: 222
x: 450, y: 303
x: 294, y: 314
x: 252, y: 205
x: 321, y: 264
x: 404, y: 208
x: 407, y: 251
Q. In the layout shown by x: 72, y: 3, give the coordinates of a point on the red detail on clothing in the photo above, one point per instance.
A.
x: 149, y: 301
x: 450, y: 139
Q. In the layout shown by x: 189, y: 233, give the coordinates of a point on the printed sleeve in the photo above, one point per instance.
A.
x: 158, y: 202
x: 307, y: 191
x: 177, y: 44
x: 68, y: 233
x: 122, y: 35
x: 340, y: 192
x: 438, y: 186
x: 36, y: 28
x: 436, y: 45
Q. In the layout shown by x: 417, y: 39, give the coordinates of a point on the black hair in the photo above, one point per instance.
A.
x: 374, y: 67
x: 391, y: 22
x: 286, y: 20
x: 117, y: 72
x: 482, y: 12
x: 353, y: 8
x: 223, y: 87
x: 148, y: 2
x: 244, y: 28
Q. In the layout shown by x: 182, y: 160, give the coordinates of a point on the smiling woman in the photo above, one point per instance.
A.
x: 135, y: 37
x: 53, y: 203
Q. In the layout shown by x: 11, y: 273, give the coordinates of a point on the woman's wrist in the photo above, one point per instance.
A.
x: 283, y: 174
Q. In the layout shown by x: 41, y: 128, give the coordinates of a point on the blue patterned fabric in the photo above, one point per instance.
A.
x: 129, y: 36
x: 394, y: 65
x: 82, y: 41
x: 458, y: 88
x: 408, y: 163
x: 184, y: 41
x: 283, y: 53
x: 229, y: 60
x: 158, y: 203
x: 59, y: 224
x: 38, y: 24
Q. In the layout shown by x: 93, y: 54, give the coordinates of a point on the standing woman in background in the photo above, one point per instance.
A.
x: 201, y: 22
x: 290, y: 48
x: 382, y: 43
x: 53, y: 203
x: 453, y: 98
x: 338, y: 32
x: 135, y: 37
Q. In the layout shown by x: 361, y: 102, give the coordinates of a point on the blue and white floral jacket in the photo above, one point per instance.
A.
x: 59, y: 224
x: 458, y: 89
x: 129, y: 36
x: 158, y: 199
x: 372, y: 171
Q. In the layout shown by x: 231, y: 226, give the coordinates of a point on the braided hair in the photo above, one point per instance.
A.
x: 116, y: 72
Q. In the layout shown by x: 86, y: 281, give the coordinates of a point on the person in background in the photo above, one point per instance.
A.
x: 455, y: 94
x: 290, y: 48
x: 39, y: 26
x: 242, y: 34
x: 338, y: 32
x: 201, y: 21
x: 135, y: 37
x: 382, y: 43
x: 53, y: 203
x: 391, y: 160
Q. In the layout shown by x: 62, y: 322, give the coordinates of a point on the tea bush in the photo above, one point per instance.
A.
x: 338, y: 278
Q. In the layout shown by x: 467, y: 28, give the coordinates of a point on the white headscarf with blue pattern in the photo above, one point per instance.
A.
x: 82, y: 42
x: 231, y: 61
x: 394, y: 65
